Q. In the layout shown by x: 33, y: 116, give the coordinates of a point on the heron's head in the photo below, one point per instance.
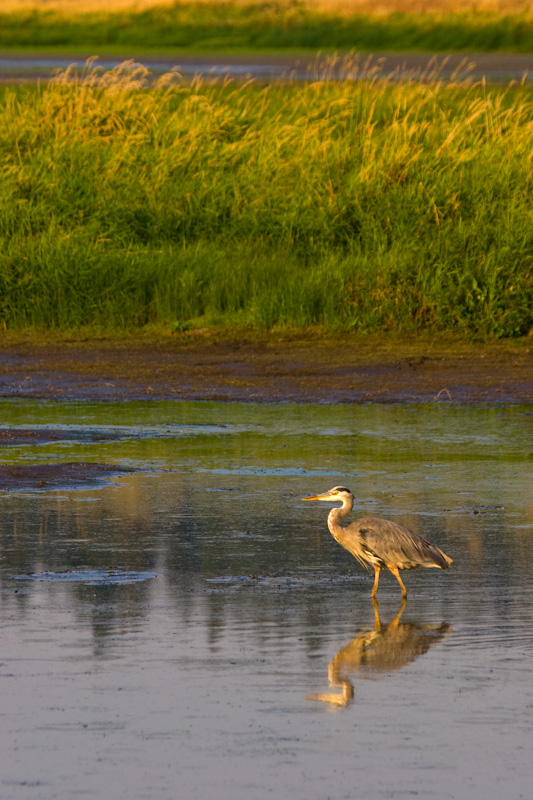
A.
x: 339, y: 493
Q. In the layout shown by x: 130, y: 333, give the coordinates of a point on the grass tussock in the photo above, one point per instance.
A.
x: 357, y: 205
x: 280, y: 25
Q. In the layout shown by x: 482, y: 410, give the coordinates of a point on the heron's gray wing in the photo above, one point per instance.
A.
x: 397, y: 546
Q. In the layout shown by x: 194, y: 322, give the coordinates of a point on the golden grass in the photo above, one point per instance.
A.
x: 348, y: 205
x: 422, y: 6
x: 340, y: 6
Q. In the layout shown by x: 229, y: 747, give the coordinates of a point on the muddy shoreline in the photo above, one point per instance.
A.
x: 206, y: 366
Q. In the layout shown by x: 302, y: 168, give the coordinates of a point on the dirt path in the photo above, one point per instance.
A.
x: 347, y: 369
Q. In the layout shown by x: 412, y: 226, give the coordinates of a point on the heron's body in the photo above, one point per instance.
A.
x: 378, y: 542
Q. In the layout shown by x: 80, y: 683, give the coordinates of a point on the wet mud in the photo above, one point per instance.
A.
x: 203, y: 366
x: 48, y: 476
x: 28, y: 436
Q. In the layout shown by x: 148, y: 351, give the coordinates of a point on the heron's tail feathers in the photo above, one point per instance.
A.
x: 441, y: 559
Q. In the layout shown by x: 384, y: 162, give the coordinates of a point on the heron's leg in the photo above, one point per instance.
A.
x: 395, y: 571
x: 376, y: 581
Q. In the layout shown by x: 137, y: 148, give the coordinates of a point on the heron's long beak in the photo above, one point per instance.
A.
x: 317, y: 497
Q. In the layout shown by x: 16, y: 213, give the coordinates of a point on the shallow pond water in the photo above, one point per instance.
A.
x: 492, y: 67
x: 189, y: 629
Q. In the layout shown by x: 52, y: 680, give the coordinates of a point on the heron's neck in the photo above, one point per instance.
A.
x: 336, y: 514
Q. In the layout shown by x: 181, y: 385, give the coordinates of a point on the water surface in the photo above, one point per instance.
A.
x: 493, y: 68
x: 188, y: 628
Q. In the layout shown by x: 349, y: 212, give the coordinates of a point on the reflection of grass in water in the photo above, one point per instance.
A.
x: 352, y: 205
x: 327, y: 25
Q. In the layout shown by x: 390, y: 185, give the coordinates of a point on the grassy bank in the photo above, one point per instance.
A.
x: 274, y: 26
x: 354, y: 206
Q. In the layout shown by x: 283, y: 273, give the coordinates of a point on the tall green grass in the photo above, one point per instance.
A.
x: 270, y: 26
x: 355, y: 205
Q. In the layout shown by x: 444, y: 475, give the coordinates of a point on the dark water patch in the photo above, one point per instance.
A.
x: 217, y: 489
x: 28, y: 436
x: 17, y: 437
x: 280, y: 583
x: 91, y: 577
x: 64, y: 476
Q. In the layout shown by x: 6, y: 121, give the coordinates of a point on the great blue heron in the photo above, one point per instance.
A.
x: 378, y: 542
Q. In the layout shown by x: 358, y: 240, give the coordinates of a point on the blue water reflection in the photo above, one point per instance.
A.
x: 195, y: 683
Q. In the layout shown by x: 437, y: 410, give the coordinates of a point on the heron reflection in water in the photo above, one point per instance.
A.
x: 381, y: 649
x: 378, y: 542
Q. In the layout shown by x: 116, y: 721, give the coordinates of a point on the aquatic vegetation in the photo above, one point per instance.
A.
x: 127, y: 202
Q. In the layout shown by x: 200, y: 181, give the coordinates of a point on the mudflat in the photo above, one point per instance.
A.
x: 205, y: 365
